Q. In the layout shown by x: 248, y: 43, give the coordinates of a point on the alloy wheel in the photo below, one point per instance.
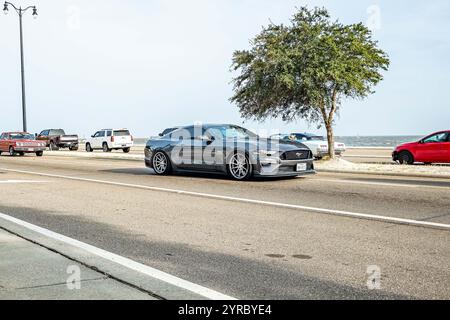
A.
x: 160, y: 163
x: 239, y: 166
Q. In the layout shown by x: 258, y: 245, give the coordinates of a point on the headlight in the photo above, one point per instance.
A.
x: 265, y: 153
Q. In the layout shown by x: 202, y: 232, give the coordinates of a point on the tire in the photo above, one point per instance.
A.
x: 53, y: 146
x: 73, y: 148
x: 88, y: 147
x: 405, y: 157
x: 161, y: 163
x: 21, y: 154
x: 39, y: 153
x: 105, y: 147
x: 126, y: 150
x: 239, y: 166
x: 12, y: 153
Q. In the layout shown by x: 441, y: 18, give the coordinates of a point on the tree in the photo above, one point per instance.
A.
x: 305, y: 70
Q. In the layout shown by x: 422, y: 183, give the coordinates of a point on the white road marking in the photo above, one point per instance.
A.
x: 387, y: 184
x: 131, y: 264
x: 342, y: 213
x: 20, y: 181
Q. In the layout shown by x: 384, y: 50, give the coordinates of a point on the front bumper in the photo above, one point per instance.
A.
x: 284, y: 168
x: 29, y: 149
x: 394, y: 156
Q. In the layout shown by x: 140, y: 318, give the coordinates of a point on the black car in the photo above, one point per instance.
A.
x: 226, y: 149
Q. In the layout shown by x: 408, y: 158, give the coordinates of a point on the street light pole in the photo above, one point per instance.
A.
x: 20, y: 12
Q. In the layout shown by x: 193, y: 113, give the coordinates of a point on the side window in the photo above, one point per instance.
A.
x: 448, y: 136
x: 97, y: 134
x: 2, y: 137
x: 440, y: 137
x: 109, y: 133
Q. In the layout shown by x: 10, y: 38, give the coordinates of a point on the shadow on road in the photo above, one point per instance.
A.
x: 236, y: 275
x: 202, y: 175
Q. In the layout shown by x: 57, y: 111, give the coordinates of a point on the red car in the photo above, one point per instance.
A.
x: 19, y: 143
x: 434, y: 148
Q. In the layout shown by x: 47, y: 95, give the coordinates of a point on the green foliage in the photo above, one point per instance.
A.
x: 304, y: 70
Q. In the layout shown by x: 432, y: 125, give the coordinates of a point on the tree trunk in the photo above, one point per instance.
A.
x: 330, y: 138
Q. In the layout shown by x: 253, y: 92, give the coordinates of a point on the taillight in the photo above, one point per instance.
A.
x: 132, y: 138
x: 112, y: 139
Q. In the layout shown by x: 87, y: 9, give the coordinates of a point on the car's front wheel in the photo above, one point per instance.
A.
x: 89, y: 148
x: 161, y: 163
x: 40, y: 153
x: 239, y: 166
x: 405, y: 157
x: 105, y: 147
x: 12, y: 153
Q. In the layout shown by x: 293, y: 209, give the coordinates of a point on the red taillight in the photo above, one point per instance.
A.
x: 112, y: 139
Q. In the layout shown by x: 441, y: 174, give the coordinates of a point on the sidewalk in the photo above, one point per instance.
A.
x: 29, y: 271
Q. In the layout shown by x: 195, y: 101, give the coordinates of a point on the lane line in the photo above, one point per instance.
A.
x: 342, y: 213
x: 387, y: 184
x: 130, y: 264
x: 20, y: 181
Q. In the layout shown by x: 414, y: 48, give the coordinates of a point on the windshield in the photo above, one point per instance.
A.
x: 120, y: 133
x: 57, y: 132
x: 231, y: 132
x: 21, y: 136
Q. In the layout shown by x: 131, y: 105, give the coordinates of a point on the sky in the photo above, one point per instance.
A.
x: 148, y: 65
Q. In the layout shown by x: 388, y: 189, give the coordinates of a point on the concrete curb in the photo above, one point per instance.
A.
x: 391, y: 174
x: 154, y: 287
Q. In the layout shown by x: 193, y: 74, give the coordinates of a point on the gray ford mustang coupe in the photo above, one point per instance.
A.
x: 226, y: 149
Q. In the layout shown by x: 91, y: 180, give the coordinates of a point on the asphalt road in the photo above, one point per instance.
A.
x: 245, y: 250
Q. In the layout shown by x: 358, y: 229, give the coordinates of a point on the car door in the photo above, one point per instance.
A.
x: 447, y: 149
x: 43, y: 136
x: 432, y: 148
x: 97, y: 139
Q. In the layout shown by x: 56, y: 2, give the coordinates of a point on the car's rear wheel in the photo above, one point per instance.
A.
x: 73, y: 148
x: 126, y: 150
x: 12, y: 153
x: 405, y: 157
x: 239, y: 166
x: 88, y: 147
x: 161, y: 163
x: 40, y: 153
x: 105, y: 147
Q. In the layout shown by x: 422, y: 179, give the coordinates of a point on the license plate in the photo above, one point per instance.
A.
x: 301, y: 167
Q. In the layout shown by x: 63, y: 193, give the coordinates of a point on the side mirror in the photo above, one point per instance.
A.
x: 160, y: 134
x: 92, y: 136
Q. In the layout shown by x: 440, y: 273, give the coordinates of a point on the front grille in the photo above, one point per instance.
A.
x: 296, y: 155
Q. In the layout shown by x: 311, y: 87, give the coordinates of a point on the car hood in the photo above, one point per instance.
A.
x: 406, y: 145
x: 274, y: 145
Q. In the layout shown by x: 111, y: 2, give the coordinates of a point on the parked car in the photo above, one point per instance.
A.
x: 110, y: 139
x: 57, y: 138
x: 434, y: 148
x: 226, y: 149
x: 317, y: 144
x: 19, y: 143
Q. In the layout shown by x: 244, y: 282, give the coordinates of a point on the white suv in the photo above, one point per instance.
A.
x: 110, y: 139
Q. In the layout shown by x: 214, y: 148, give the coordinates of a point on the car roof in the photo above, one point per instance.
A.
x: 19, y: 132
